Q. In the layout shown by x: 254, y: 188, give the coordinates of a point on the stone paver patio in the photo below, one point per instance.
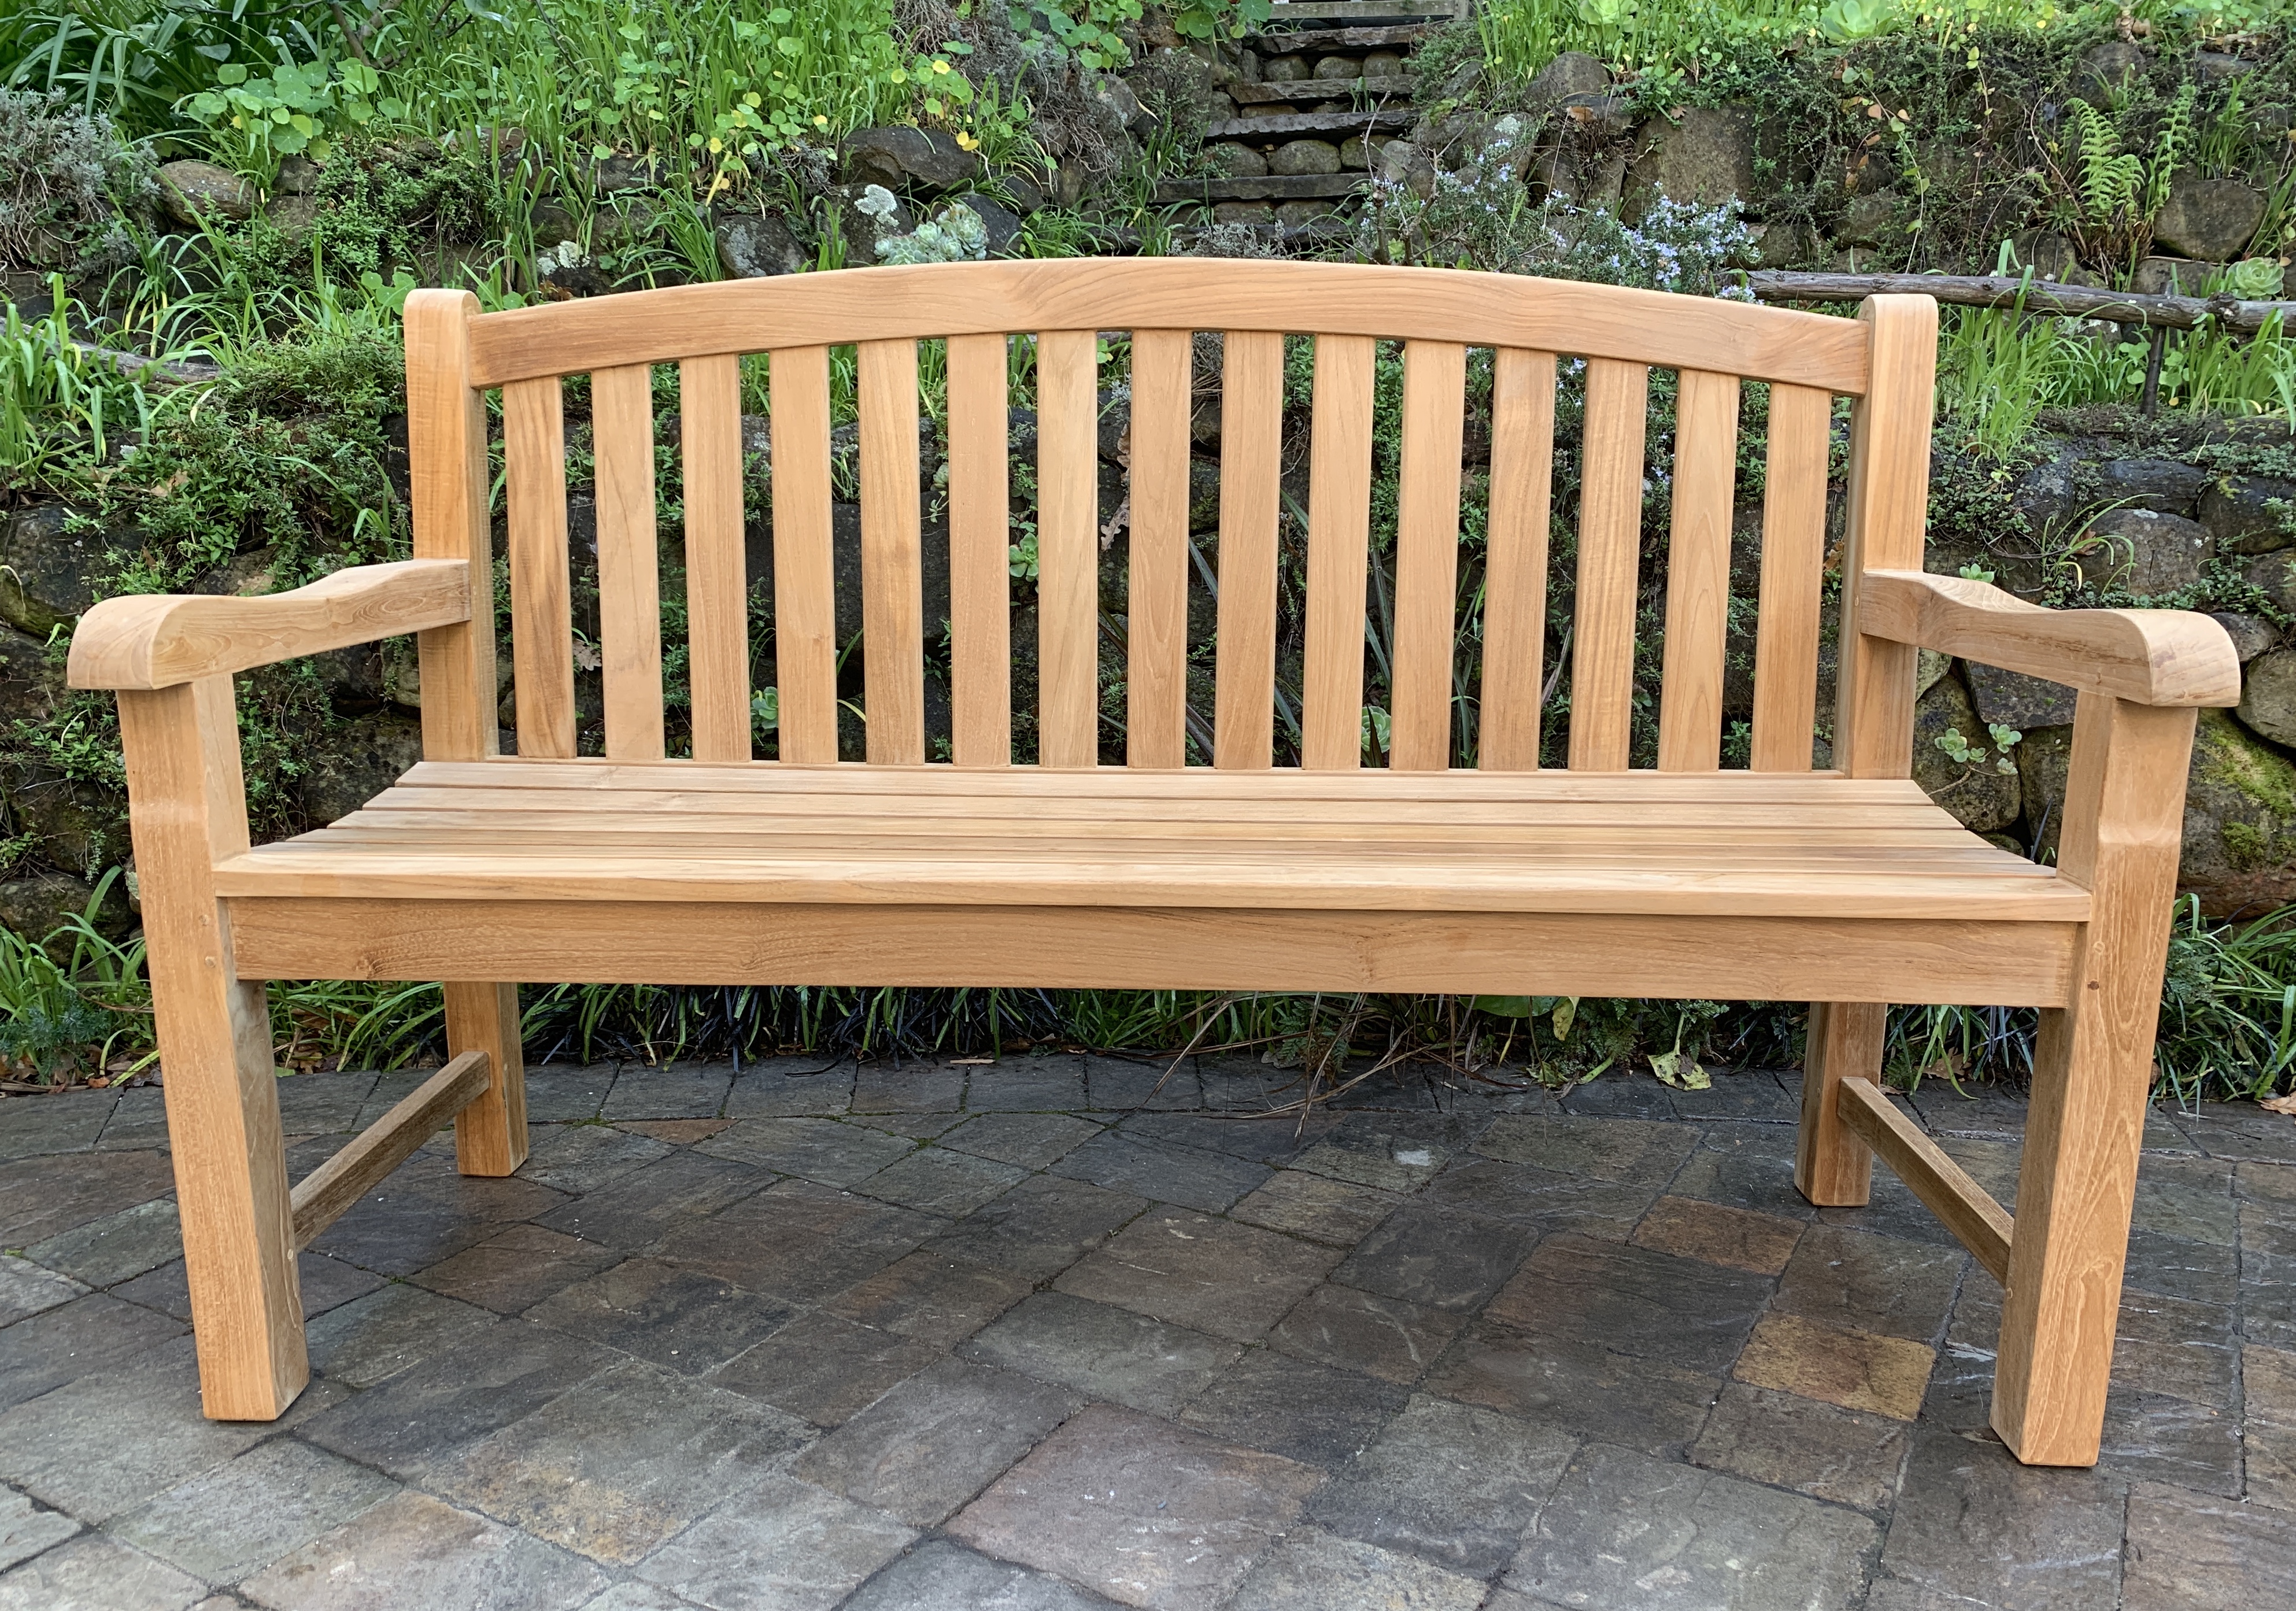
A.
x: 1040, y: 1336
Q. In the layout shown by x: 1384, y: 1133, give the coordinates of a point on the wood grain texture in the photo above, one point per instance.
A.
x: 1251, y: 447
x: 805, y: 588
x: 716, y: 577
x: 187, y: 811
x: 1793, y: 578
x: 629, y: 582
x: 1239, y: 948
x: 1067, y: 549
x: 2150, y: 657
x: 1887, y: 516
x: 450, y: 488
x: 1945, y: 1188
x: 1698, y: 572
x: 1514, y: 575
x: 1156, y: 604
x: 2092, y: 1079
x: 541, y: 587
x: 1609, y: 537
x: 159, y: 640
x: 1339, y: 537
x: 892, y: 553
x: 979, y: 554
x: 931, y: 836
x: 1833, y: 1166
x: 489, y: 1134
x: 320, y: 1197
x: 884, y: 303
x: 1427, y: 555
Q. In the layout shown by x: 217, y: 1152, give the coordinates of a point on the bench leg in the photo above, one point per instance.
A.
x: 490, y: 1133
x: 1832, y: 1168
x: 185, y: 811
x: 2092, y: 1079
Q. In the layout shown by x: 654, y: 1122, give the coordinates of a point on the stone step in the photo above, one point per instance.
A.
x: 1394, y: 120
x: 1357, y: 11
x: 1272, y: 187
x: 1320, y: 89
x: 1290, y: 40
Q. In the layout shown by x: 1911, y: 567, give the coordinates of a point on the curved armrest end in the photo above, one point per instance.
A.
x: 2149, y: 657
x: 159, y: 640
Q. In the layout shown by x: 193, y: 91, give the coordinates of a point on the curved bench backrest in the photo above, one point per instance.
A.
x: 990, y: 332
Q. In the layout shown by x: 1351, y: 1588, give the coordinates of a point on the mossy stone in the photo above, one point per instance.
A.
x: 2239, y: 853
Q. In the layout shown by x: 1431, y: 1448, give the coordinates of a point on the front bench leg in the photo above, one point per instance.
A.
x: 490, y: 1133
x: 187, y: 811
x: 2092, y: 1081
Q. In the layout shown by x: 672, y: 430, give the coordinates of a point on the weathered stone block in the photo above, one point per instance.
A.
x: 2249, y: 514
x: 2208, y: 218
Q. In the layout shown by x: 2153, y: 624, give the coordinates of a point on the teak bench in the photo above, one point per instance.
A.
x: 1845, y: 885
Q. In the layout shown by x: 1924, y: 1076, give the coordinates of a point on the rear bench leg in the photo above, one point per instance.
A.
x: 187, y: 810
x: 2092, y: 1078
x: 1832, y: 1167
x: 490, y: 1133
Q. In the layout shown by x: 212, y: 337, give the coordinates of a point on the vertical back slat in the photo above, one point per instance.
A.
x: 716, y: 584
x: 1067, y: 549
x: 629, y: 588
x: 1887, y: 507
x: 1515, y: 574
x: 1156, y: 608
x: 1339, y: 537
x: 979, y: 559
x: 1793, y: 562
x: 1251, y: 445
x: 542, y: 621
x: 1427, y: 554
x: 805, y: 588
x: 1698, y: 572
x: 446, y: 438
x: 892, y: 584
x: 1610, y: 537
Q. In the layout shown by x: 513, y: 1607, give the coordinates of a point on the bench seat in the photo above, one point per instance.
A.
x: 1717, y: 844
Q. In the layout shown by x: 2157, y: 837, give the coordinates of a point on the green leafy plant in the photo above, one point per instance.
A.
x: 2004, y: 739
x: 64, y: 402
x: 254, y: 119
x: 68, y: 1000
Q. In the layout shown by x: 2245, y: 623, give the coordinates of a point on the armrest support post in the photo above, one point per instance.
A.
x: 187, y: 810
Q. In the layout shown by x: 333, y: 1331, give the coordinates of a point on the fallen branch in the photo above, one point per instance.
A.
x: 2035, y: 296
x: 161, y: 372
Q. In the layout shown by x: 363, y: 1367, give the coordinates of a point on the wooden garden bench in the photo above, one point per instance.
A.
x: 1845, y: 886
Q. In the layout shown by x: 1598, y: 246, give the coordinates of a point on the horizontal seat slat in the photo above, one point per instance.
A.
x: 1493, y: 837
x: 1457, y: 886
x: 1200, y: 784
x: 1661, y: 815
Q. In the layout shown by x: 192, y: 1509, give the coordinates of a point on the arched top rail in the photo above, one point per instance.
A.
x: 923, y: 301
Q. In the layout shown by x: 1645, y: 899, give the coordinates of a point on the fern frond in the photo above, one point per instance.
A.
x: 2169, y: 150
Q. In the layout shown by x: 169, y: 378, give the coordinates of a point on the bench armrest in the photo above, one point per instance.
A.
x: 159, y: 640
x: 2149, y: 657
